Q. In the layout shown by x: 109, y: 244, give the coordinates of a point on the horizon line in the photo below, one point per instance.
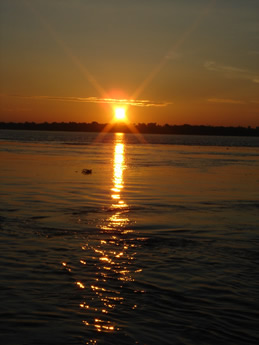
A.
x: 135, y: 124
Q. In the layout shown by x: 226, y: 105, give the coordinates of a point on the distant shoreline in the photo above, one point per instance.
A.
x: 143, y: 128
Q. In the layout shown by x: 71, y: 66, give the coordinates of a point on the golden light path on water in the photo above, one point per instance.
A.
x: 112, y: 255
x: 118, y: 182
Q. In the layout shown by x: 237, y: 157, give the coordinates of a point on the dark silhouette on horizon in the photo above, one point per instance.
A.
x: 151, y: 128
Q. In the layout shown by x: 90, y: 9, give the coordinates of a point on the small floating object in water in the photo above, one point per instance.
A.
x: 87, y: 171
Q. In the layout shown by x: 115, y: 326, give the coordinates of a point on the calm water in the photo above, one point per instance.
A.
x: 159, y: 245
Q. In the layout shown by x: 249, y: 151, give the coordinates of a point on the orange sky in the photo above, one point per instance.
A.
x: 171, y: 62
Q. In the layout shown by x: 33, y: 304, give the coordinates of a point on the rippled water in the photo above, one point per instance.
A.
x: 159, y: 245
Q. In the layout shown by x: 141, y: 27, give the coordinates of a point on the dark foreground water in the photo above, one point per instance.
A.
x: 159, y: 245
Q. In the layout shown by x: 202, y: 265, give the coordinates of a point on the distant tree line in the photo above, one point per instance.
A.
x: 141, y: 127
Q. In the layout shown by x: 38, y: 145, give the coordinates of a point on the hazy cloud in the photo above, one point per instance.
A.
x: 226, y: 101
x: 100, y: 100
x: 232, y: 72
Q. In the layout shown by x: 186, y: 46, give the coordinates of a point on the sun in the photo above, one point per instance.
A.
x: 120, y: 113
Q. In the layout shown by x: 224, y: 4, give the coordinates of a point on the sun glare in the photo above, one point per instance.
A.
x: 120, y: 113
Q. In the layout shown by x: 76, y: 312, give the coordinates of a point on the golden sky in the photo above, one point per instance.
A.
x: 168, y: 61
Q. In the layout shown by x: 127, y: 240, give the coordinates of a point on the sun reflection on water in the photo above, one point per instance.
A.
x: 118, y: 168
x: 112, y: 255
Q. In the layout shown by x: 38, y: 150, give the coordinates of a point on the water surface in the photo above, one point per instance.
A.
x: 159, y: 245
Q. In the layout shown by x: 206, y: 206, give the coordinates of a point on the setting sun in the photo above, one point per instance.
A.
x: 120, y: 113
